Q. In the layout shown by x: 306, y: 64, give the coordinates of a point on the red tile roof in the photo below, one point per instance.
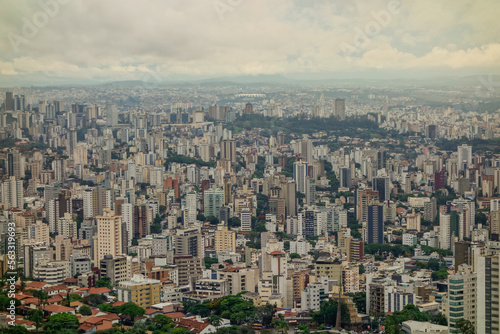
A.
x: 35, y: 285
x: 175, y: 315
x: 57, y: 309
x: 94, y: 291
x: 192, y: 325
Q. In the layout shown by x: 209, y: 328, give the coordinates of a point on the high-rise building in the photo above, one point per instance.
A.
x: 462, y: 297
x: 488, y: 296
x: 140, y: 222
x: 464, y: 157
x: 290, y: 198
x: 345, y: 178
x: 300, y: 175
x: 15, y: 164
x: 189, y: 268
x: 246, y: 220
x: 381, y: 159
x: 440, y: 180
x: 449, y: 229
x: 9, y: 101
x: 413, y: 221
x: 375, y: 224
x: 114, y: 267
x: 307, y: 223
x: 431, y: 131
x: 248, y: 108
x: 111, y: 115
x: 213, y: 200
x: 340, y: 108
x: 139, y: 290
x: 67, y: 227
x: 228, y: 150
x: 109, y: 235
x: 189, y: 242
x: 224, y: 239
x: 381, y: 184
x: 12, y: 192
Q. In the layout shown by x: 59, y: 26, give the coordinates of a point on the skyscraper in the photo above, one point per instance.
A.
x: 488, y: 287
x: 228, y: 150
x: 300, y: 175
x: 248, y: 108
x: 109, y: 235
x: 9, y: 101
x: 464, y: 157
x: 440, y: 180
x: 246, y: 220
x: 340, y: 108
x: 375, y: 224
x: 213, y: 200
x: 111, y: 115
x: 345, y: 178
x: 381, y: 184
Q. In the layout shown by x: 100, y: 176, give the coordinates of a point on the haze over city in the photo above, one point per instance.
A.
x: 249, y: 167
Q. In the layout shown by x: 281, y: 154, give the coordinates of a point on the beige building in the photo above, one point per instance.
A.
x: 350, y: 280
x: 189, y: 268
x: 329, y: 268
x: 239, y: 279
x: 109, y: 235
x: 225, y: 240
x: 413, y: 221
x: 140, y: 290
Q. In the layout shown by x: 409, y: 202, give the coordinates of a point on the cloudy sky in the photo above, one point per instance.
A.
x: 80, y: 41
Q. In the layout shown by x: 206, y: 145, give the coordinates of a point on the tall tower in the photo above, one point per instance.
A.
x: 109, y: 235
x: 9, y: 101
x: 300, y: 175
x: 248, y: 108
x: 228, y: 150
x: 464, y: 157
x: 340, y: 108
x: 375, y: 224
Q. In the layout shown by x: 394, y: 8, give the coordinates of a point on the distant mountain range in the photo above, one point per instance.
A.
x: 485, y: 81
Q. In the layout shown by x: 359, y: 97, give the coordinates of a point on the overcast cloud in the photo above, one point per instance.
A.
x: 106, y: 40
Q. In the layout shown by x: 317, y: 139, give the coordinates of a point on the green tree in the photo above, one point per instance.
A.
x: 281, y: 325
x: 85, y: 310
x: 295, y: 256
x: 359, y: 300
x: 209, y: 261
x: 440, y: 274
x: 162, y: 323
x: 94, y: 300
x: 304, y: 329
x: 393, y: 322
x: 327, y: 313
x: 234, y: 222
x: 36, y: 316
x: 215, y: 320
x: 131, y: 309
x: 105, y: 281
x: 465, y: 326
x: 261, y: 227
x: 105, y: 307
x: 265, y: 314
x: 58, y: 322
x: 14, y: 330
